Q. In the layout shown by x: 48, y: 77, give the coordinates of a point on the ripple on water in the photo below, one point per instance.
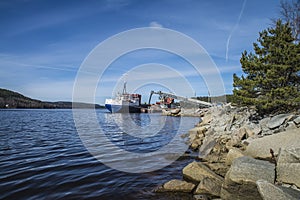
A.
x: 42, y: 156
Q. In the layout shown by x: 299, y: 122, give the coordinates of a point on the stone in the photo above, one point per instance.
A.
x: 208, y: 144
x: 215, y: 157
x: 193, y: 134
x: 219, y: 128
x: 242, y: 133
x: 230, y: 122
x: 263, y: 124
x: 269, y: 191
x: 288, y: 166
x: 197, y: 171
x: 235, y: 141
x: 184, y: 135
x: 198, y: 131
x: 255, y: 128
x: 233, y: 154
x: 209, y: 186
x: 240, y: 180
x: 177, y: 186
x: 250, y: 132
x: 196, y: 143
x: 206, y: 119
x: 297, y: 120
x: 219, y: 168
x: 196, y: 136
x: 260, y: 147
x: 277, y: 120
x: 290, y: 125
x: 200, y: 197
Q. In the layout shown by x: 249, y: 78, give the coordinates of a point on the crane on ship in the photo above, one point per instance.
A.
x: 164, y: 95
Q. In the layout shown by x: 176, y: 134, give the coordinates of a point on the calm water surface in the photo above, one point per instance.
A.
x: 42, y: 157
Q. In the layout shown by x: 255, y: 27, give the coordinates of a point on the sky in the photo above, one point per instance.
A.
x: 43, y: 44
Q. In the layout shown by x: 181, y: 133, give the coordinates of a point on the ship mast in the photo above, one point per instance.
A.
x: 124, y: 88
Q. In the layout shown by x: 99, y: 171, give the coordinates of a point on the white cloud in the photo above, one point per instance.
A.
x: 155, y: 24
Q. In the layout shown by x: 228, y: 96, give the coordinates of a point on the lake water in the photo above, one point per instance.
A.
x: 43, y: 157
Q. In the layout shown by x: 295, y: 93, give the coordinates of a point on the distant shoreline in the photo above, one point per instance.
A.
x: 13, y: 100
x: 1, y: 109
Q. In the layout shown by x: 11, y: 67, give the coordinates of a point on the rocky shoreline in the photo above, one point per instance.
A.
x: 242, y: 156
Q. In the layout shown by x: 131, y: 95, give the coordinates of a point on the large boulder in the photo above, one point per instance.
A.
x: 177, y: 186
x: 208, y: 144
x: 260, y: 148
x: 288, y: 166
x: 277, y: 120
x: 269, y: 191
x: 197, y: 171
x: 233, y: 154
x: 240, y: 180
x: 209, y: 186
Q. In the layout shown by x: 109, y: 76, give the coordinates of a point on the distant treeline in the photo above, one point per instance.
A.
x: 208, y: 99
x: 10, y: 99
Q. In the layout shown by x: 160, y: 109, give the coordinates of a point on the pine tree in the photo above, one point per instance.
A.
x: 271, y: 79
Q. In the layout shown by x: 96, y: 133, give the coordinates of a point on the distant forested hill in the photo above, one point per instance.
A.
x: 10, y: 99
x: 207, y: 99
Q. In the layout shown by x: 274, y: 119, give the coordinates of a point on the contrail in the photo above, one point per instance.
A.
x: 235, y: 27
x: 50, y: 67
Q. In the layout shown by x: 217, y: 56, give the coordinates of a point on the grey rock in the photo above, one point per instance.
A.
x: 219, y: 168
x: 260, y: 147
x: 208, y: 144
x: 297, y: 120
x: 177, y: 186
x: 263, y: 124
x: 230, y: 122
x: 294, y: 187
x: 233, y: 154
x: 209, y: 186
x: 290, y: 125
x: 193, y: 134
x: 242, y: 133
x: 200, y: 197
x: 255, y: 128
x: 206, y: 119
x: 277, y: 120
x: 218, y: 128
x: 288, y: 166
x: 196, y: 136
x: 233, y: 142
x: 240, y: 180
x: 269, y: 191
x: 197, y: 171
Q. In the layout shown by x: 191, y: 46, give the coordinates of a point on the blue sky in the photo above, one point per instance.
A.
x: 43, y: 43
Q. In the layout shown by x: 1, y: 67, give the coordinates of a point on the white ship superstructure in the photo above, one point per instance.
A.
x: 124, y: 102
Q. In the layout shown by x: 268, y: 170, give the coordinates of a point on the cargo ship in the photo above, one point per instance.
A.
x: 124, y: 102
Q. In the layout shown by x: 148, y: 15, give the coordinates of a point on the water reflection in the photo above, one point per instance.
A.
x: 160, y: 129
